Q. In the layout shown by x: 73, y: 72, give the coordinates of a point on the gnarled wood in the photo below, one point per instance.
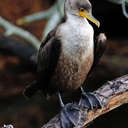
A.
x: 112, y: 94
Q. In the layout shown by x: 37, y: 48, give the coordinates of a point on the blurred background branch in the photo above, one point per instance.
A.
x: 123, y: 3
x: 11, y: 29
x: 53, y: 15
x: 17, y: 65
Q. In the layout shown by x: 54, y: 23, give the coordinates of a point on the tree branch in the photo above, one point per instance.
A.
x: 53, y: 15
x: 123, y: 3
x: 124, y: 8
x: 112, y: 94
x: 26, y: 53
x: 11, y: 29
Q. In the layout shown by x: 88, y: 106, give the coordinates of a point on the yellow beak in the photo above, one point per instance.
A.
x: 85, y: 14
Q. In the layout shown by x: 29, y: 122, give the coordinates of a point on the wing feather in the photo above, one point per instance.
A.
x: 48, y: 55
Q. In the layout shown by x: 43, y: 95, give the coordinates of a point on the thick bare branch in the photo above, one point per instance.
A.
x: 53, y: 15
x: 112, y: 94
x: 123, y: 3
x: 11, y: 29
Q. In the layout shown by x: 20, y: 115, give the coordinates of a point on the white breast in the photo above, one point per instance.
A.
x: 77, y: 37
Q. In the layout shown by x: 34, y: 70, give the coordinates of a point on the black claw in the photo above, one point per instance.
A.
x: 89, y: 100
x: 69, y: 115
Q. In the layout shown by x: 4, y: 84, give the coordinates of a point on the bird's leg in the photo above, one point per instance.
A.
x: 89, y: 100
x: 69, y: 115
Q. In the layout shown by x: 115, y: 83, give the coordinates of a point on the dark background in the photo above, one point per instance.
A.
x: 14, y: 75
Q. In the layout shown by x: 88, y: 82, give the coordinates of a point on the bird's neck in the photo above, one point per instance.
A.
x: 77, y: 37
x: 75, y: 18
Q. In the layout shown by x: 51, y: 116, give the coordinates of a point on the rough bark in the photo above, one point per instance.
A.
x: 112, y: 94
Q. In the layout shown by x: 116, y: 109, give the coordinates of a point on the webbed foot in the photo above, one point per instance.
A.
x: 89, y: 100
x: 69, y: 115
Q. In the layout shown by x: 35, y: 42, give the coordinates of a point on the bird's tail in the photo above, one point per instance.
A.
x: 31, y: 89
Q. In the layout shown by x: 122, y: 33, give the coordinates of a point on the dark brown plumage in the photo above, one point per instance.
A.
x: 49, y: 79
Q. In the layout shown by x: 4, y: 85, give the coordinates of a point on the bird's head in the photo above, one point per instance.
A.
x: 82, y: 9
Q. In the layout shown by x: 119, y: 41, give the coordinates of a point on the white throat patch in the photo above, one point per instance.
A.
x: 77, y: 37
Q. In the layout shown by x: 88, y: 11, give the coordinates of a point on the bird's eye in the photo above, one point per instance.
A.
x: 82, y: 9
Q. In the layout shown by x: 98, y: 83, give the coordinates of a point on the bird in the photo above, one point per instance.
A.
x: 67, y: 56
